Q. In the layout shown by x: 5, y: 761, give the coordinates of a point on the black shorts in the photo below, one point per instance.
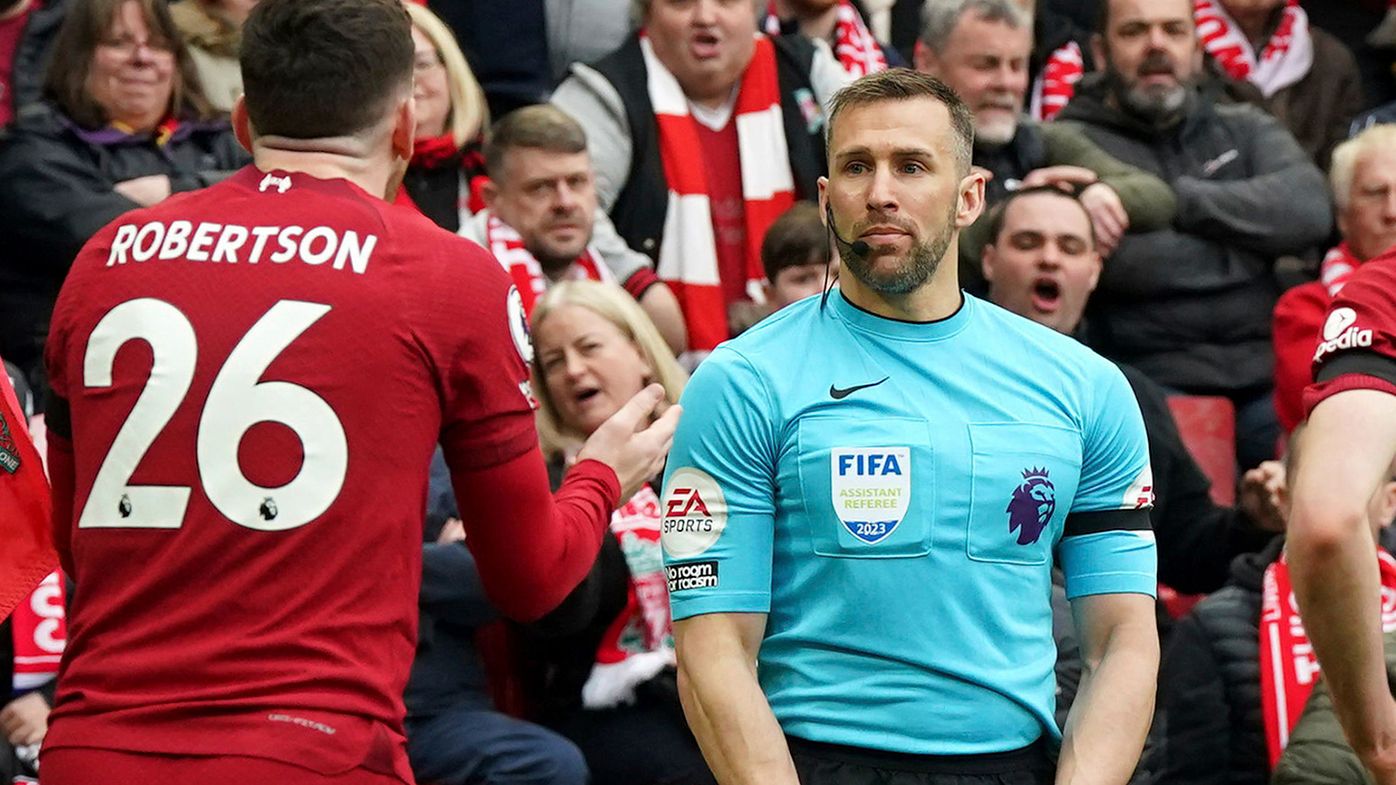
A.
x: 834, y: 764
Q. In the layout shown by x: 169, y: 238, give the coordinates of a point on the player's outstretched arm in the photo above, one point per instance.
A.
x: 532, y: 547
x: 723, y: 702
x: 1110, y: 718
x: 1346, y: 454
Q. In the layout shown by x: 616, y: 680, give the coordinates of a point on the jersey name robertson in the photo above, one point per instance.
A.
x: 233, y: 244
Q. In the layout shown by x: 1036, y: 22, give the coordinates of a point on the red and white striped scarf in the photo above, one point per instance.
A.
x: 1287, y: 56
x: 639, y: 643
x: 39, y: 632
x: 1056, y: 85
x: 508, y: 247
x: 855, y: 45
x: 1337, y: 267
x: 1288, y: 666
x: 688, y: 254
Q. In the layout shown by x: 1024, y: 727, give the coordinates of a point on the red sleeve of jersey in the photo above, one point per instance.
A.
x: 640, y: 281
x: 477, y: 334
x: 1298, y: 317
x: 532, y: 548
x: 1357, y: 346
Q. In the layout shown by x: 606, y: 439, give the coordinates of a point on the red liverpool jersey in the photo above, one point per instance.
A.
x: 1357, y: 346
x: 252, y: 379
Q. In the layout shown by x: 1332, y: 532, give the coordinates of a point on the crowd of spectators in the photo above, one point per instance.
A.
x: 1182, y: 185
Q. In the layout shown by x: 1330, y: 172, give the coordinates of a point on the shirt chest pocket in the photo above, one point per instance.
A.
x: 1024, y: 479
x: 867, y: 486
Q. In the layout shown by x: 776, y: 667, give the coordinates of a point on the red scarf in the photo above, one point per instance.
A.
x: 26, y: 536
x: 1337, y: 267
x: 435, y: 152
x: 640, y: 642
x: 508, y: 247
x: 40, y: 631
x: 1056, y: 85
x: 1286, y: 58
x: 1288, y: 667
x: 688, y: 255
x: 855, y: 45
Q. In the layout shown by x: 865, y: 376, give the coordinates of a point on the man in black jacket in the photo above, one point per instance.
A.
x: 1190, y: 305
x: 1042, y: 264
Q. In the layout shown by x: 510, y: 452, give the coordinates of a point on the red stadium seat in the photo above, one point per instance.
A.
x: 1207, y: 425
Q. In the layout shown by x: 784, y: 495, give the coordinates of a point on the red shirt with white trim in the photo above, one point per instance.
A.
x: 251, y: 380
x: 1357, y: 346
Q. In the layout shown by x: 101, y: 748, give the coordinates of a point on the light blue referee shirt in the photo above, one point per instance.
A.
x: 894, y: 496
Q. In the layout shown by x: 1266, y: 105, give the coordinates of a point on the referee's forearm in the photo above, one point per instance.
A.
x: 1110, y: 719
x: 729, y: 716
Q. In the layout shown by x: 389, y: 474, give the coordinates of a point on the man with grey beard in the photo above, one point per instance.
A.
x: 1189, y: 305
x: 981, y: 49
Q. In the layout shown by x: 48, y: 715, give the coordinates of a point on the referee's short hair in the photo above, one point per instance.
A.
x: 313, y: 69
x: 904, y: 84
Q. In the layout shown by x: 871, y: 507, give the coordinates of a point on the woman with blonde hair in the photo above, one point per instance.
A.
x: 447, y: 169
x: 610, y: 688
x: 628, y: 353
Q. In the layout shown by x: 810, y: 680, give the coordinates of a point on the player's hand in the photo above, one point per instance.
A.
x: 453, y: 531
x: 1262, y: 496
x: 1108, y: 216
x: 24, y: 720
x: 633, y: 442
x: 145, y: 191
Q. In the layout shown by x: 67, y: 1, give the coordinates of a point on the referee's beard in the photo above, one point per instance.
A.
x: 905, y: 275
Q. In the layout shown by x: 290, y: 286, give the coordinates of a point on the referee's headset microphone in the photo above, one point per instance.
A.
x: 855, y: 248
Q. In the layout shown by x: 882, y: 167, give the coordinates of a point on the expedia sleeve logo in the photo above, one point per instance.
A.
x: 1341, y: 332
x: 695, y: 513
x: 691, y: 575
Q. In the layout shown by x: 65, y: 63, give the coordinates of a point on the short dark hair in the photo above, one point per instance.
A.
x: 796, y: 238
x: 999, y: 213
x: 540, y: 127
x: 903, y: 84
x: 85, y: 25
x: 320, y: 68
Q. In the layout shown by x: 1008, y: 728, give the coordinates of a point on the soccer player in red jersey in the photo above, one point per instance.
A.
x: 1349, y: 448
x: 249, y: 384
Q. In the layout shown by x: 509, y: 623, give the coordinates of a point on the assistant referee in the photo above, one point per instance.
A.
x: 868, y: 494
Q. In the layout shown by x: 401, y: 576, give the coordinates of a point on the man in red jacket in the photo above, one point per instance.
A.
x: 1363, y: 181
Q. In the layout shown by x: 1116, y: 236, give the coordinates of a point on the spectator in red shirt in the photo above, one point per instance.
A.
x: 1363, y: 181
x: 702, y: 133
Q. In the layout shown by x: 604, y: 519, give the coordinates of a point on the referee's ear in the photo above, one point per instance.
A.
x: 242, y: 124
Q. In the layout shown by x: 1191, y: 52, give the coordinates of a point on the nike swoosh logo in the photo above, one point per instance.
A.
x: 839, y: 394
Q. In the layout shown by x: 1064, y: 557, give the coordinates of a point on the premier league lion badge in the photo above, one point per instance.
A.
x: 1032, y: 505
